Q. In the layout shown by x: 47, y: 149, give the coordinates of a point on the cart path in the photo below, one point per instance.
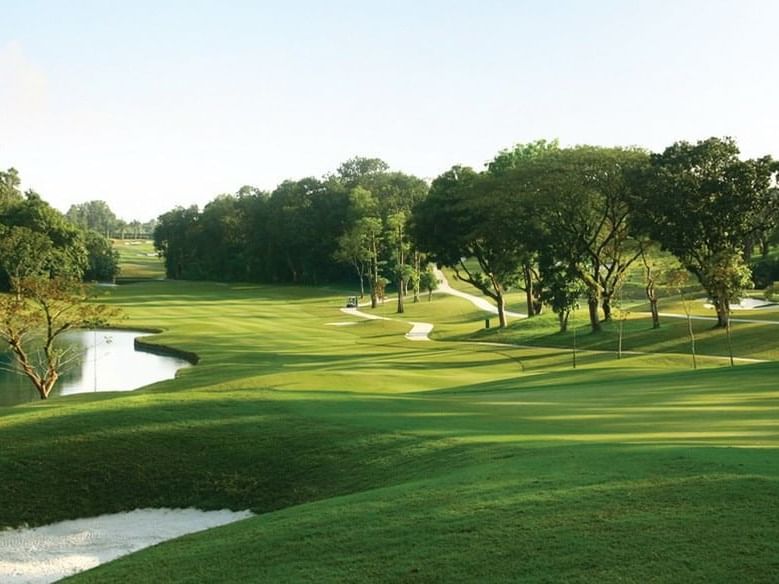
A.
x: 477, y: 301
x: 420, y: 331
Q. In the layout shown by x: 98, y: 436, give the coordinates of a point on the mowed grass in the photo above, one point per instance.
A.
x: 370, y: 458
x: 138, y: 260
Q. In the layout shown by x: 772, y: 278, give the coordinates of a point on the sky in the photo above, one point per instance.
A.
x: 148, y: 105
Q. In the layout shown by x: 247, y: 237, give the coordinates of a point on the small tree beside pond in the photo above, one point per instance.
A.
x: 37, y: 312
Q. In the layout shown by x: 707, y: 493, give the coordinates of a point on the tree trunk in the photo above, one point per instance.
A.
x: 606, y: 304
x: 651, y: 291
x: 401, y: 308
x: 692, y: 342
x: 360, y: 269
x: 764, y: 246
x: 563, y: 318
x: 416, y: 276
x: 501, y: 302
x: 723, y: 312
x: 592, y: 305
x: 655, y: 312
x: 730, y: 344
x: 749, y: 246
x: 651, y: 295
x: 374, y: 269
x: 528, y: 277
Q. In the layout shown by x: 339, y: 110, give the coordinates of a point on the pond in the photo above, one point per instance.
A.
x: 104, y: 360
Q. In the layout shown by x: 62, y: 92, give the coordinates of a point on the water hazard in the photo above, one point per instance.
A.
x: 103, y: 360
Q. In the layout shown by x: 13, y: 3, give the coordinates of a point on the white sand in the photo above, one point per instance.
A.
x: 49, y: 553
x: 745, y: 304
x: 419, y: 331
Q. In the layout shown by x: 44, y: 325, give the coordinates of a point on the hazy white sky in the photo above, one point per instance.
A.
x: 152, y: 104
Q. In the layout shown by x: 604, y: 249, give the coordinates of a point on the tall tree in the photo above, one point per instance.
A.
x: 701, y: 202
x: 175, y: 238
x: 355, y: 244
x: 582, y: 197
x: 10, y: 193
x: 396, y: 227
x: 102, y: 258
x: 458, y: 221
x: 94, y: 215
x: 23, y: 253
x: 359, y: 170
x: 520, y: 207
x: 68, y: 254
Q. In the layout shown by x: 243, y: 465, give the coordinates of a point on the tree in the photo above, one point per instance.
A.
x: 174, y: 239
x: 650, y: 286
x: 103, y: 259
x: 372, y: 228
x: 23, y: 252
x: 9, y: 189
x: 378, y: 199
x: 36, y: 314
x: 68, y: 254
x: 678, y: 279
x: 458, y: 221
x: 354, y: 245
x: 94, y: 215
x: 582, y: 197
x: 561, y: 289
x: 396, y: 235
x: 520, y: 206
x: 355, y: 171
x: 428, y: 282
x: 701, y: 202
x: 509, y: 159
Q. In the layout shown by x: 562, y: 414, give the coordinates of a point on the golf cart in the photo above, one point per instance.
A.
x: 351, y: 302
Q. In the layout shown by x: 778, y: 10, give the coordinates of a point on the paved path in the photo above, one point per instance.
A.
x: 420, y: 331
x: 477, y: 301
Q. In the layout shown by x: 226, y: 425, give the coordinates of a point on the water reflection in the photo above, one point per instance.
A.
x: 104, y: 360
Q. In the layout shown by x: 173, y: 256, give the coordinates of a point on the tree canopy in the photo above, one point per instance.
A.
x: 702, y: 202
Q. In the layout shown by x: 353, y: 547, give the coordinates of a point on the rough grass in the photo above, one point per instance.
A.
x: 372, y: 459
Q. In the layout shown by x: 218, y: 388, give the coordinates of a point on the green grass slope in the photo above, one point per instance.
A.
x: 138, y: 260
x: 370, y: 458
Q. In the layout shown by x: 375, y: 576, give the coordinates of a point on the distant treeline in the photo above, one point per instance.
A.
x: 98, y: 216
x: 298, y: 233
x: 558, y: 223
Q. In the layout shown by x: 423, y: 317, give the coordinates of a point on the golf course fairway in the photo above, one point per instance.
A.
x: 371, y: 458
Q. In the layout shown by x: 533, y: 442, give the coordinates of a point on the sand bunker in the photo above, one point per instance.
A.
x: 745, y: 304
x: 49, y: 553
